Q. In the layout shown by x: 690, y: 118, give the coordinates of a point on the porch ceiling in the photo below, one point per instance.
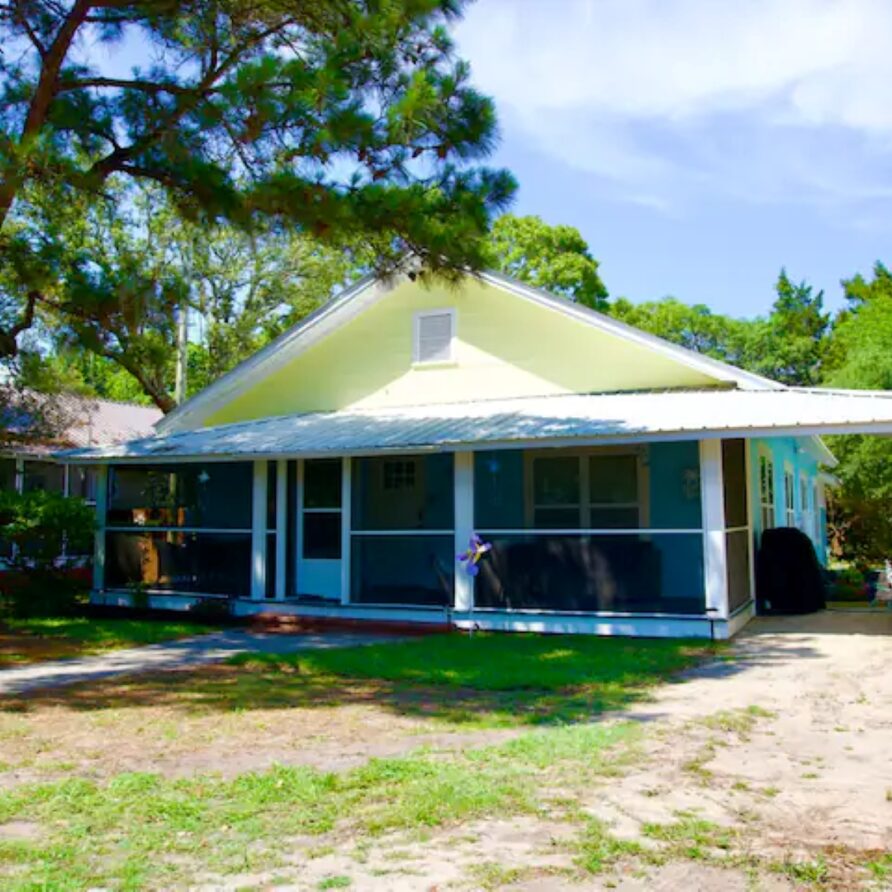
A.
x: 552, y: 420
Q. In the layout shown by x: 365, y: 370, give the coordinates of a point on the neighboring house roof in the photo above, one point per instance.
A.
x: 79, y: 422
x: 354, y: 300
x: 554, y: 420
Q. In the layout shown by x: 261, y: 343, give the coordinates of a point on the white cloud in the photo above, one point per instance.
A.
x: 758, y: 97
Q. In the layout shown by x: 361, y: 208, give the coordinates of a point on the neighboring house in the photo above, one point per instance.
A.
x: 622, y: 481
x: 29, y: 462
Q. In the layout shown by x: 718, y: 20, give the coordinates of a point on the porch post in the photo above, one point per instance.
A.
x: 19, y: 474
x: 99, y: 541
x: 346, y: 525
x: 750, y: 515
x: 281, y: 527
x: 715, y: 558
x: 258, y: 531
x: 464, y: 527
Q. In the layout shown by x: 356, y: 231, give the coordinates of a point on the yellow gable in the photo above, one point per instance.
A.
x: 505, y: 346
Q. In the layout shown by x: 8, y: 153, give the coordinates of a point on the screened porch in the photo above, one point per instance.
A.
x: 657, y: 529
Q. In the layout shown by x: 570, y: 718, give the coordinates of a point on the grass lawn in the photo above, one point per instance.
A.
x: 48, y: 638
x: 490, y: 680
x: 227, y: 771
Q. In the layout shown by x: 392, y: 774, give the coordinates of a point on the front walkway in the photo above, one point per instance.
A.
x: 182, y: 654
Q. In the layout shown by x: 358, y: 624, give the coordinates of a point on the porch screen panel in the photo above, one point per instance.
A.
x: 673, y: 471
x: 180, y: 528
x: 405, y: 570
x: 499, y: 490
x: 654, y: 487
x: 7, y: 483
x: 626, y: 573
x: 214, y: 495
x: 7, y: 474
x: 43, y: 476
x: 737, y: 537
x: 406, y: 492
x: 735, y: 483
x: 737, y: 547
x: 206, y: 563
x: 597, y: 529
x: 401, y: 543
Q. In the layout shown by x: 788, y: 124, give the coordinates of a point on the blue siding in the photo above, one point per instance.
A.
x: 796, y: 453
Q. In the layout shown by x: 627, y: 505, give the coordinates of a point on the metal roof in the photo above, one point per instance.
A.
x: 544, y: 421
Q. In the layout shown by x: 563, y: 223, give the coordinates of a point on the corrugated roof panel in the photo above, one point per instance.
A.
x: 597, y: 417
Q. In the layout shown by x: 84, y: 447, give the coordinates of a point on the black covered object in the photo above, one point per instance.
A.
x: 788, y: 575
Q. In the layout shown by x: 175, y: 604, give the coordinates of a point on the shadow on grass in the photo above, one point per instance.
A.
x: 482, y: 681
x: 39, y: 639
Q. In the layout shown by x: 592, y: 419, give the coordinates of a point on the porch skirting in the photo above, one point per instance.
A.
x: 537, y: 621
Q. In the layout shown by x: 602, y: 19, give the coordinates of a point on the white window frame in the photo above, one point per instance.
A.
x: 416, y: 337
x: 767, y: 515
x: 806, y: 523
x: 584, y: 504
x: 789, y: 495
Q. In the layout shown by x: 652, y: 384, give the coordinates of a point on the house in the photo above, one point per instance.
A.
x: 623, y: 482
x: 28, y: 459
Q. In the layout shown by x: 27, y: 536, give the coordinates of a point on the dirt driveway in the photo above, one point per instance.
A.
x: 788, y: 748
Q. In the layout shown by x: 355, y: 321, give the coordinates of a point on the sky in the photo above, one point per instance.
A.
x: 698, y: 145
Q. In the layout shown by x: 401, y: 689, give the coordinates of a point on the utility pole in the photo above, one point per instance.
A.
x: 182, y: 353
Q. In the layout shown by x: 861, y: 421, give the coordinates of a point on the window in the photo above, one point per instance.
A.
x: 82, y: 482
x: 557, y: 498
x: 817, y: 517
x: 410, y: 493
x: 399, y: 474
x: 613, y: 492
x: 805, y: 523
x: 789, y: 497
x: 766, y: 492
x: 434, y: 333
x: 588, y: 492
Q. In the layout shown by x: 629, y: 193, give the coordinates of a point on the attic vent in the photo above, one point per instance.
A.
x: 433, y: 336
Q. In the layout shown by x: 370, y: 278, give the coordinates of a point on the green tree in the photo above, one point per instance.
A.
x: 555, y: 258
x: 859, y: 357
x: 693, y: 326
x: 790, y: 344
x: 146, y: 265
x: 343, y: 119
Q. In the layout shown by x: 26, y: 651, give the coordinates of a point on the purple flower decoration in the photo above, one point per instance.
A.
x: 471, y: 558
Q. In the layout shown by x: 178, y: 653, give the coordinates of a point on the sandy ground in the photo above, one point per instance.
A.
x: 804, y: 777
x: 788, y: 747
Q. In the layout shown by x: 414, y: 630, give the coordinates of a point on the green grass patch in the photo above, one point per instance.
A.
x: 881, y: 868
x: 598, y: 849
x: 30, y: 640
x: 813, y: 873
x: 490, y: 662
x: 737, y: 721
x: 143, y: 830
x: 690, y: 837
x: 495, y: 680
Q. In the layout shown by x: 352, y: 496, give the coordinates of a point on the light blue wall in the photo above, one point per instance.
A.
x: 674, y: 474
x: 674, y: 502
x: 799, y: 453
